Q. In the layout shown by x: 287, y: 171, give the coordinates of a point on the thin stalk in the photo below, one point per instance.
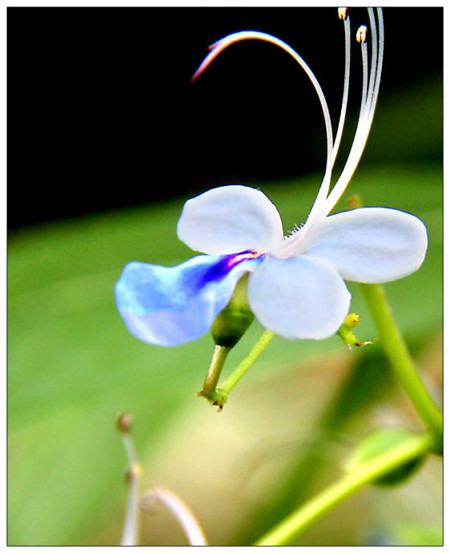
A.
x: 130, y: 528
x: 398, y: 354
x: 231, y: 381
x: 308, y: 513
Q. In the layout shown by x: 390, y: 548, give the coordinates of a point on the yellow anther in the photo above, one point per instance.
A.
x: 361, y: 34
x: 342, y: 13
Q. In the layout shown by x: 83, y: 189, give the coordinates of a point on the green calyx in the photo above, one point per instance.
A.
x: 232, y: 322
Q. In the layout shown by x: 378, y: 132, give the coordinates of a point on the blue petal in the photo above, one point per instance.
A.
x: 169, y: 306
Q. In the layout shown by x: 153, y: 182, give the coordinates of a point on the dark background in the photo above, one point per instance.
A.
x: 102, y: 114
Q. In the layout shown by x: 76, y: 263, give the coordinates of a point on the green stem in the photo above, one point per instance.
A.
x: 400, y: 358
x: 231, y: 381
x: 308, y: 513
x: 214, y: 370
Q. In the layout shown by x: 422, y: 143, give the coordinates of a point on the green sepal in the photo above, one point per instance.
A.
x: 232, y: 322
x: 378, y: 443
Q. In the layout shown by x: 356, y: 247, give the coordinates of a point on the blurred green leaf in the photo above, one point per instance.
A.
x: 409, y: 130
x: 377, y: 443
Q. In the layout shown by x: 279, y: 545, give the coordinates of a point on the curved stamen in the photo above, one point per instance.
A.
x: 363, y: 128
x: 326, y: 200
x: 374, y: 56
x: 379, y: 64
x: 223, y: 43
x: 337, y: 140
x: 357, y: 145
x: 365, y: 83
x: 320, y: 200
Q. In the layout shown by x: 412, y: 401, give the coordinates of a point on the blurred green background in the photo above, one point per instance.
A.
x: 288, y: 426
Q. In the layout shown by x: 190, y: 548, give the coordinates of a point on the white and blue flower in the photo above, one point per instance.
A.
x: 296, y: 283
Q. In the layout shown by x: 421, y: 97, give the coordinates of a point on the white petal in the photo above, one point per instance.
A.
x: 371, y: 244
x: 230, y: 219
x: 298, y: 297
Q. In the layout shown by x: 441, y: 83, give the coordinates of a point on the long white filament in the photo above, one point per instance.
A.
x: 365, y: 83
x: 340, y: 129
x: 374, y: 59
x: 325, y: 186
x: 364, y: 123
x: 379, y: 64
x: 222, y: 44
x: 358, y: 141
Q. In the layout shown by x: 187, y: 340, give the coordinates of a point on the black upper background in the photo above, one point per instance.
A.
x: 102, y: 114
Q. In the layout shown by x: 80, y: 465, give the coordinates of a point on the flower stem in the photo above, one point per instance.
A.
x: 231, y: 381
x: 308, y: 513
x: 400, y: 358
x: 214, y: 370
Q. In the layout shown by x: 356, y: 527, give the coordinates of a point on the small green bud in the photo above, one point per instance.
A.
x: 351, y: 320
x: 232, y: 322
x: 345, y: 332
x: 376, y: 444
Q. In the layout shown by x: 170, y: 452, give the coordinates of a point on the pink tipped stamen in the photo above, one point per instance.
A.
x: 218, y: 47
x: 215, y: 50
x: 223, y: 43
x: 215, y: 44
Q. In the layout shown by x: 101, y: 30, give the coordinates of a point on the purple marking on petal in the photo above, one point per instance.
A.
x: 223, y: 267
x: 173, y: 305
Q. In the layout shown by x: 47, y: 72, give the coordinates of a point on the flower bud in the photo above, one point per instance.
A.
x: 232, y: 322
x: 346, y: 333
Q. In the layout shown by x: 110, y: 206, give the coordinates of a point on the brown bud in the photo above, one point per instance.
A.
x: 125, y: 422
